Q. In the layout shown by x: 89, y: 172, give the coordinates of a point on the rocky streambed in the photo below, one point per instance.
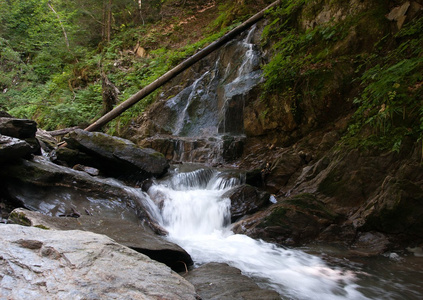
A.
x: 70, y: 230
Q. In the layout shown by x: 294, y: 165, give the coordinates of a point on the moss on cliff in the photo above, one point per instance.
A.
x: 335, y: 57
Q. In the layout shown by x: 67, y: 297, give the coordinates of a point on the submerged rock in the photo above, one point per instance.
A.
x: 135, y: 236
x: 50, y: 264
x: 116, y: 156
x: 220, y: 281
x: 245, y: 200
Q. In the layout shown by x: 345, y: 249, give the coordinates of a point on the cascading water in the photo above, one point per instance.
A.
x: 205, y: 119
x: 197, y: 218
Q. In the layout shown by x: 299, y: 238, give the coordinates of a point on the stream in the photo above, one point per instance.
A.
x: 197, y: 218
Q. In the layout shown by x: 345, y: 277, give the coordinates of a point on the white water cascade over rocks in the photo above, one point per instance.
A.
x: 197, y: 218
x: 204, y: 122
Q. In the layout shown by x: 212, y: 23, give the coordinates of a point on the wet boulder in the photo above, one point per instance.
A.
x: 13, y: 148
x: 22, y: 129
x: 18, y: 128
x: 117, y: 157
x: 46, y: 264
x: 131, y: 234
x: 293, y: 221
x: 245, y: 200
x: 220, y: 281
x: 54, y: 190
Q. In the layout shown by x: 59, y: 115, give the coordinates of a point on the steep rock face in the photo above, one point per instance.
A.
x: 338, y: 196
x: 294, y: 147
x: 49, y: 264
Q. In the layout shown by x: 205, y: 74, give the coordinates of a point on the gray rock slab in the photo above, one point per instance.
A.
x: 135, y: 236
x: 13, y: 148
x: 49, y: 264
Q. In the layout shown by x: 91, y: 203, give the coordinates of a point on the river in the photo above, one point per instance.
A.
x: 197, y: 218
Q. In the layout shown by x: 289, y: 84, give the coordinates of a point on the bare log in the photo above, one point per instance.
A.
x: 63, y: 131
x: 178, y: 69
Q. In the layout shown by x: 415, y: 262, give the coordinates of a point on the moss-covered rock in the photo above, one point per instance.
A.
x: 292, y: 221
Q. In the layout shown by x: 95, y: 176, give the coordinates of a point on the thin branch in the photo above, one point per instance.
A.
x: 186, y: 268
x: 61, y: 24
x: 93, y: 17
x: 140, y: 10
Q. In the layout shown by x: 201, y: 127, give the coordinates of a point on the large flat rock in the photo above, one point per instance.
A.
x: 54, y: 190
x: 136, y: 236
x: 50, y: 264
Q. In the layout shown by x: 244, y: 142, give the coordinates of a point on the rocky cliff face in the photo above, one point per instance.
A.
x: 291, y: 142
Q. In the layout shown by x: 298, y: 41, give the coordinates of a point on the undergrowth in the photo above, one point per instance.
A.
x: 72, y: 94
x: 390, y: 105
x: 388, y: 72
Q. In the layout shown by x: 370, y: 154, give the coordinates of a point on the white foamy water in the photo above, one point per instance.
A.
x: 197, y: 218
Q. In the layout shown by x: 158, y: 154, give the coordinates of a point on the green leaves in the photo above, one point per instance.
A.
x: 391, y: 100
x: 387, y: 86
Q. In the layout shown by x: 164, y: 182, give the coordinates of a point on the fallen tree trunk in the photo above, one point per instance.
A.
x: 177, y: 70
x: 63, y: 131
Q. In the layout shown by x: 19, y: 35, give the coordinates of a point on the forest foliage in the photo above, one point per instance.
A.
x: 55, y: 57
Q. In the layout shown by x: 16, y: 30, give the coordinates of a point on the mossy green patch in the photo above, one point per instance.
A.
x: 276, y: 217
x: 378, y: 69
x: 308, y: 204
x: 42, y: 227
x: 20, y: 218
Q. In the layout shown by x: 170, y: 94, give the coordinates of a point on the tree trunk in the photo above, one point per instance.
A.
x: 177, y: 70
x: 109, y: 94
x: 109, y: 21
x: 62, y: 131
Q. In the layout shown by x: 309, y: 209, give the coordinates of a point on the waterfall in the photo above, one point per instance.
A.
x: 183, y: 118
x: 197, y: 217
x: 206, y: 118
